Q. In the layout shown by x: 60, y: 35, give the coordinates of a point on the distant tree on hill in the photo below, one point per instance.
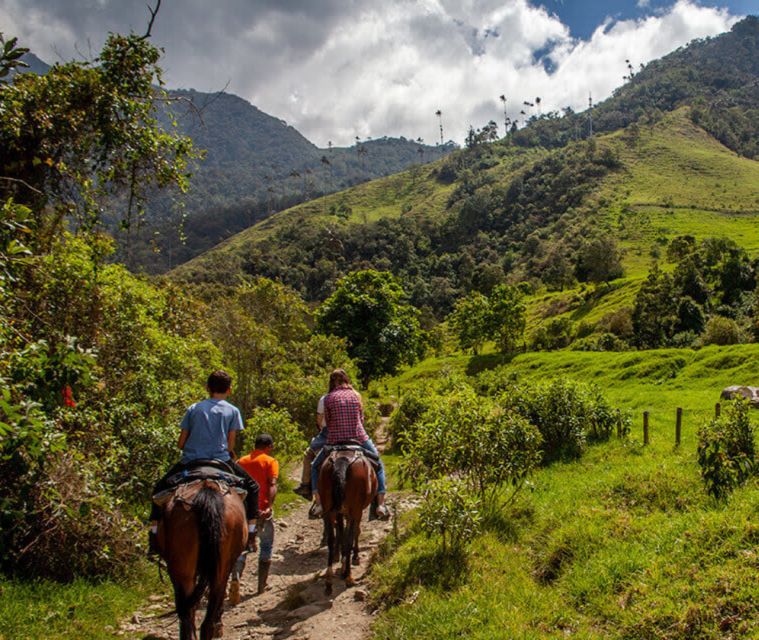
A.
x: 507, y: 318
x: 470, y: 321
x: 599, y: 260
x: 369, y: 310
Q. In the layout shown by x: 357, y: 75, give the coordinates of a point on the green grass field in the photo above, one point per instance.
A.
x: 623, y: 543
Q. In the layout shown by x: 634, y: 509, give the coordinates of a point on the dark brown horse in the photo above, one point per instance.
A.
x: 201, y: 535
x: 347, y: 485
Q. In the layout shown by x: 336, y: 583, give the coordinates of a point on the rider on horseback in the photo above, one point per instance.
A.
x: 208, y: 432
x: 344, y: 414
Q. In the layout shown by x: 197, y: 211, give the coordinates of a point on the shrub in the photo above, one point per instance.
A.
x: 451, y: 511
x: 726, y: 452
x: 404, y: 421
x: 568, y: 415
x: 721, y: 331
x: 289, y: 441
x: 473, y: 439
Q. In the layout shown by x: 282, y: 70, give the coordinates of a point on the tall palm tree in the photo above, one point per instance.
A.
x: 505, y: 116
x: 439, y: 115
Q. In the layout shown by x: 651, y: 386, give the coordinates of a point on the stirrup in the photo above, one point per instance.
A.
x: 315, y: 512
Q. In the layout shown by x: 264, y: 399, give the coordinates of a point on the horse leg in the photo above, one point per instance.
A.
x: 212, y: 626
x: 330, y: 554
x: 183, y: 588
x: 357, y: 532
x: 347, y: 541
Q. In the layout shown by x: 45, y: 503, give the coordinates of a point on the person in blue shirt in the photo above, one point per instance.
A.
x: 208, y: 432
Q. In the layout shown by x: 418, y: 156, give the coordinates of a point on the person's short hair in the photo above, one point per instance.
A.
x: 338, y: 378
x: 219, y: 382
x: 264, y: 440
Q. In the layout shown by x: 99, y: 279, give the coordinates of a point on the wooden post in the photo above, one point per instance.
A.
x: 645, y: 427
x: 678, y: 426
x: 717, y: 409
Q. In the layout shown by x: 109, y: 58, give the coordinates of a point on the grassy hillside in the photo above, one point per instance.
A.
x: 623, y: 543
x: 673, y: 178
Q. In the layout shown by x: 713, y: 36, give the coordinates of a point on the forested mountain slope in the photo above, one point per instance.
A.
x: 253, y: 164
x: 511, y: 211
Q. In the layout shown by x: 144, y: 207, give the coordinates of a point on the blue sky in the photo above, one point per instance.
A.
x: 584, y: 16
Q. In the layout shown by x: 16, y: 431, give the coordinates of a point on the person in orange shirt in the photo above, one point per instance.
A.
x: 264, y: 469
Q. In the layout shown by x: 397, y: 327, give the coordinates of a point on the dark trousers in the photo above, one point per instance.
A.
x: 248, y: 483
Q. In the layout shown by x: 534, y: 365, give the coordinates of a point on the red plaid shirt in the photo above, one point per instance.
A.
x: 345, y: 417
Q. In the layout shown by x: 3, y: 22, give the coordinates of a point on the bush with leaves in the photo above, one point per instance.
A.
x: 568, y: 414
x: 289, y: 441
x: 404, y: 421
x: 472, y: 438
x: 450, y: 510
x: 726, y: 450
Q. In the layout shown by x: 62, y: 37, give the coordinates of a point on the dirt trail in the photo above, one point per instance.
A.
x: 294, y: 606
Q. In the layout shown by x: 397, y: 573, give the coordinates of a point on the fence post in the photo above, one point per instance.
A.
x: 717, y: 409
x: 678, y: 426
x: 645, y: 427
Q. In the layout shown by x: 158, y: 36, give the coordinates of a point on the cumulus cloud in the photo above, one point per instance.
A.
x: 335, y: 70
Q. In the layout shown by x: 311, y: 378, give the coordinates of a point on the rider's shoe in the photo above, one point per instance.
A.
x: 315, y: 512
x: 304, y: 491
x: 382, y: 512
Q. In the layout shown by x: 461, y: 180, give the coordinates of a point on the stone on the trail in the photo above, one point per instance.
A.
x: 136, y: 619
x: 305, y: 612
x: 282, y: 524
x: 740, y: 391
x: 155, y: 598
x: 359, y: 595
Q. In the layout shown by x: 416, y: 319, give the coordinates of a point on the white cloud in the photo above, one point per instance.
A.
x: 643, y: 4
x: 375, y: 69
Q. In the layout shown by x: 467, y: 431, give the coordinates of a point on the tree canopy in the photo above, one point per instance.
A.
x: 370, y: 310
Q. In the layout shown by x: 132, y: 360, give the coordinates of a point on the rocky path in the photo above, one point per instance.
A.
x: 295, y: 605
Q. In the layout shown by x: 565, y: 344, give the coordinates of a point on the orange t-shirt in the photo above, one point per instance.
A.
x: 262, y: 468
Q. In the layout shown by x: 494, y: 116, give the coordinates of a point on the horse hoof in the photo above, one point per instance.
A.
x: 355, y: 562
x: 328, y: 590
x: 349, y: 582
x: 234, y: 593
x: 218, y: 630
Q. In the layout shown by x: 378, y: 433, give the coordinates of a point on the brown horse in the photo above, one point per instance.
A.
x: 347, y: 485
x: 201, y: 535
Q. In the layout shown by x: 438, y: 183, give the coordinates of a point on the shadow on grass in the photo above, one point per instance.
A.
x: 480, y: 363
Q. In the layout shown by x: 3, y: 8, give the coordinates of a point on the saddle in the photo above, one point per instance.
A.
x: 185, y: 485
x: 335, y: 450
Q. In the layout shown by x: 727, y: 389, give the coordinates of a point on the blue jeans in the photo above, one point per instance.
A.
x: 369, y: 446
x: 318, y: 441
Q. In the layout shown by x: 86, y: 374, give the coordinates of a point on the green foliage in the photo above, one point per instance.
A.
x: 368, y: 310
x: 404, y: 421
x: 568, y: 415
x: 507, y: 319
x: 713, y: 277
x: 469, y: 320
x: 289, y: 441
x: 470, y: 437
x: 451, y: 511
x: 721, y: 331
x: 86, y: 130
x: 598, y: 260
x: 726, y: 450
x: 10, y: 56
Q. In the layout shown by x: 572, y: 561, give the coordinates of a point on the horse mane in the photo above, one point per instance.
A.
x: 340, y: 467
x: 208, y: 507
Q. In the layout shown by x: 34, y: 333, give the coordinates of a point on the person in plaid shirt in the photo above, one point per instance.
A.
x: 344, y: 414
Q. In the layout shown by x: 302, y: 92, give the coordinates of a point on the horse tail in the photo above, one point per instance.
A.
x: 340, y: 473
x: 208, y: 507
